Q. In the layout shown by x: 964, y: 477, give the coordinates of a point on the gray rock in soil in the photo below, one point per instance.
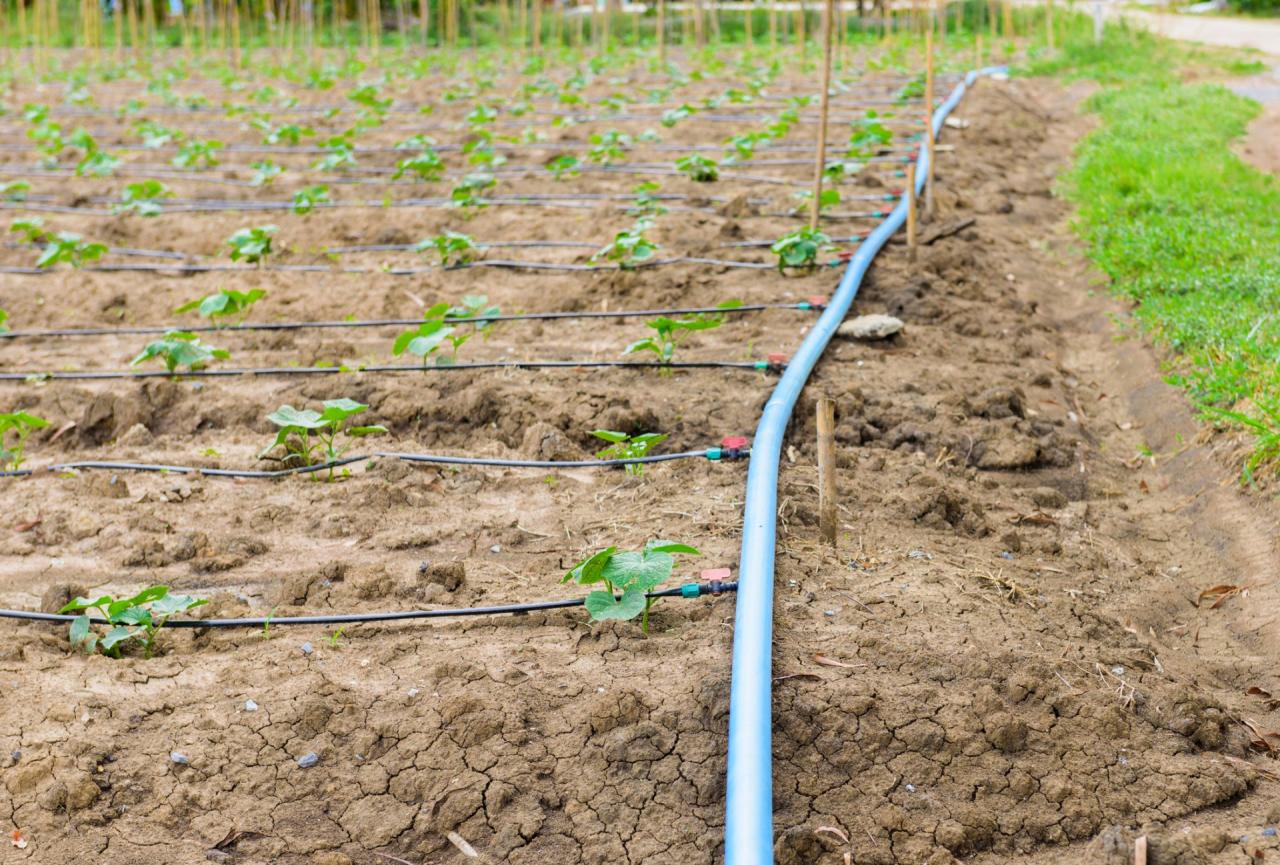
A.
x: 180, y: 759
x: 875, y: 326
x: 306, y: 761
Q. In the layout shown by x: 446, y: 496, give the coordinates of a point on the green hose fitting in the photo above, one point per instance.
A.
x: 690, y: 590
x: 714, y: 453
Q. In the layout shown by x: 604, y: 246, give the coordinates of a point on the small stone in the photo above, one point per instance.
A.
x: 179, y: 758
x: 496, y: 548
x: 306, y: 761
x: 15, y: 756
x: 911, y: 788
x: 1006, y: 555
x: 1117, y: 671
x: 874, y: 326
x: 413, y: 692
x: 1270, y: 831
x: 920, y: 554
x: 306, y: 649
x: 250, y: 706
x: 829, y: 613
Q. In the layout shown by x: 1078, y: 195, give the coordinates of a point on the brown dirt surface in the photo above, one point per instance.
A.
x: 1261, y: 146
x: 1006, y: 660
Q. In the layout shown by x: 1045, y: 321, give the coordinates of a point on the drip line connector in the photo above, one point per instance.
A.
x: 715, y: 581
x: 731, y: 448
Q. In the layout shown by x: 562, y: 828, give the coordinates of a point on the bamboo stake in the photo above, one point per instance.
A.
x: 699, y: 38
x: 928, y: 121
x: 911, y: 212
x: 1008, y: 19
x: 1048, y: 23
x: 749, y: 25
x: 820, y: 155
x: 800, y: 25
x: 827, y: 492
x: 661, y: 33
x: 773, y: 24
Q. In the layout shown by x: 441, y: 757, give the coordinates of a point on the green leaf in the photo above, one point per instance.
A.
x: 589, y: 569
x: 171, y: 604
x: 671, y: 547
x: 290, y: 417
x: 116, y: 635
x: 632, y: 570
x: 85, y: 604
x: 604, y: 606
x: 79, y: 629
x: 610, y: 435
x: 362, y: 431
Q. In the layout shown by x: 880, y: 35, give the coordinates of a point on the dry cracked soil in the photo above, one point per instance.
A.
x: 1006, y: 659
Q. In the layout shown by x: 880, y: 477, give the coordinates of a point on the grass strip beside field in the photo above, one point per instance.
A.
x: 1184, y: 227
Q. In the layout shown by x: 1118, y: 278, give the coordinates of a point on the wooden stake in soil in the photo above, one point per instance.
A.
x: 1140, y: 851
x: 820, y: 154
x: 827, y: 470
x: 911, y: 212
x: 1048, y: 23
x: 928, y: 119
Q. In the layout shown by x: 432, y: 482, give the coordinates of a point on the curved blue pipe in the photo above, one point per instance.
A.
x: 748, y: 826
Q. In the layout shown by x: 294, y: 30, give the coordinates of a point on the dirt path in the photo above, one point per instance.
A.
x: 1261, y: 146
x: 1008, y: 654
x: 1259, y: 34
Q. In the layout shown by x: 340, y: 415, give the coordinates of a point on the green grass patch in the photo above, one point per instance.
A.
x: 1183, y: 227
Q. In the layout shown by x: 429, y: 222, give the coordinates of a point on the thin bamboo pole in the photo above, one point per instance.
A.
x: 820, y: 153
x: 928, y: 121
x: 911, y: 212
x: 661, y: 33
x: 827, y: 490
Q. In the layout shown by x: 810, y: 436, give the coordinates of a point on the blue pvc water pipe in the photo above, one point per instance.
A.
x: 748, y: 825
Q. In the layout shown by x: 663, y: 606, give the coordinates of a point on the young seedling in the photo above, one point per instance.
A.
x: 67, y: 247
x: 467, y: 194
x: 311, y: 437
x: 627, y: 447
x: 289, y: 133
x: 827, y: 199
x: 264, y: 172
x: 306, y: 199
x: 339, y: 154
x: 646, y: 203
x: 180, y: 348
x: 32, y: 230
x: 99, y: 163
x: 800, y: 248
x: 744, y: 146
x: 138, y: 618
x: 252, y: 245
x: 226, y: 303
x: 454, y: 249
x: 672, y: 116
x: 425, y: 340
x: 427, y: 165
x: 627, y: 577
x: 14, y: 429
x: 699, y: 168
x: 609, y: 147
x: 668, y: 332
x: 15, y: 190
x: 629, y: 247
x: 474, y: 306
x: 142, y: 198
x: 868, y: 137
x: 4, y: 317
x: 195, y: 153
x: 564, y: 165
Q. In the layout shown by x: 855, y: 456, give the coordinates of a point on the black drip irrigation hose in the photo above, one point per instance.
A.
x: 19, y: 270
x: 762, y: 365
x: 689, y: 590
x: 716, y: 454
x: 814, y: 305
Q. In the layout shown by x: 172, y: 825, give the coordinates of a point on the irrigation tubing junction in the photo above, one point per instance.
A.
x: 748, y: 828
